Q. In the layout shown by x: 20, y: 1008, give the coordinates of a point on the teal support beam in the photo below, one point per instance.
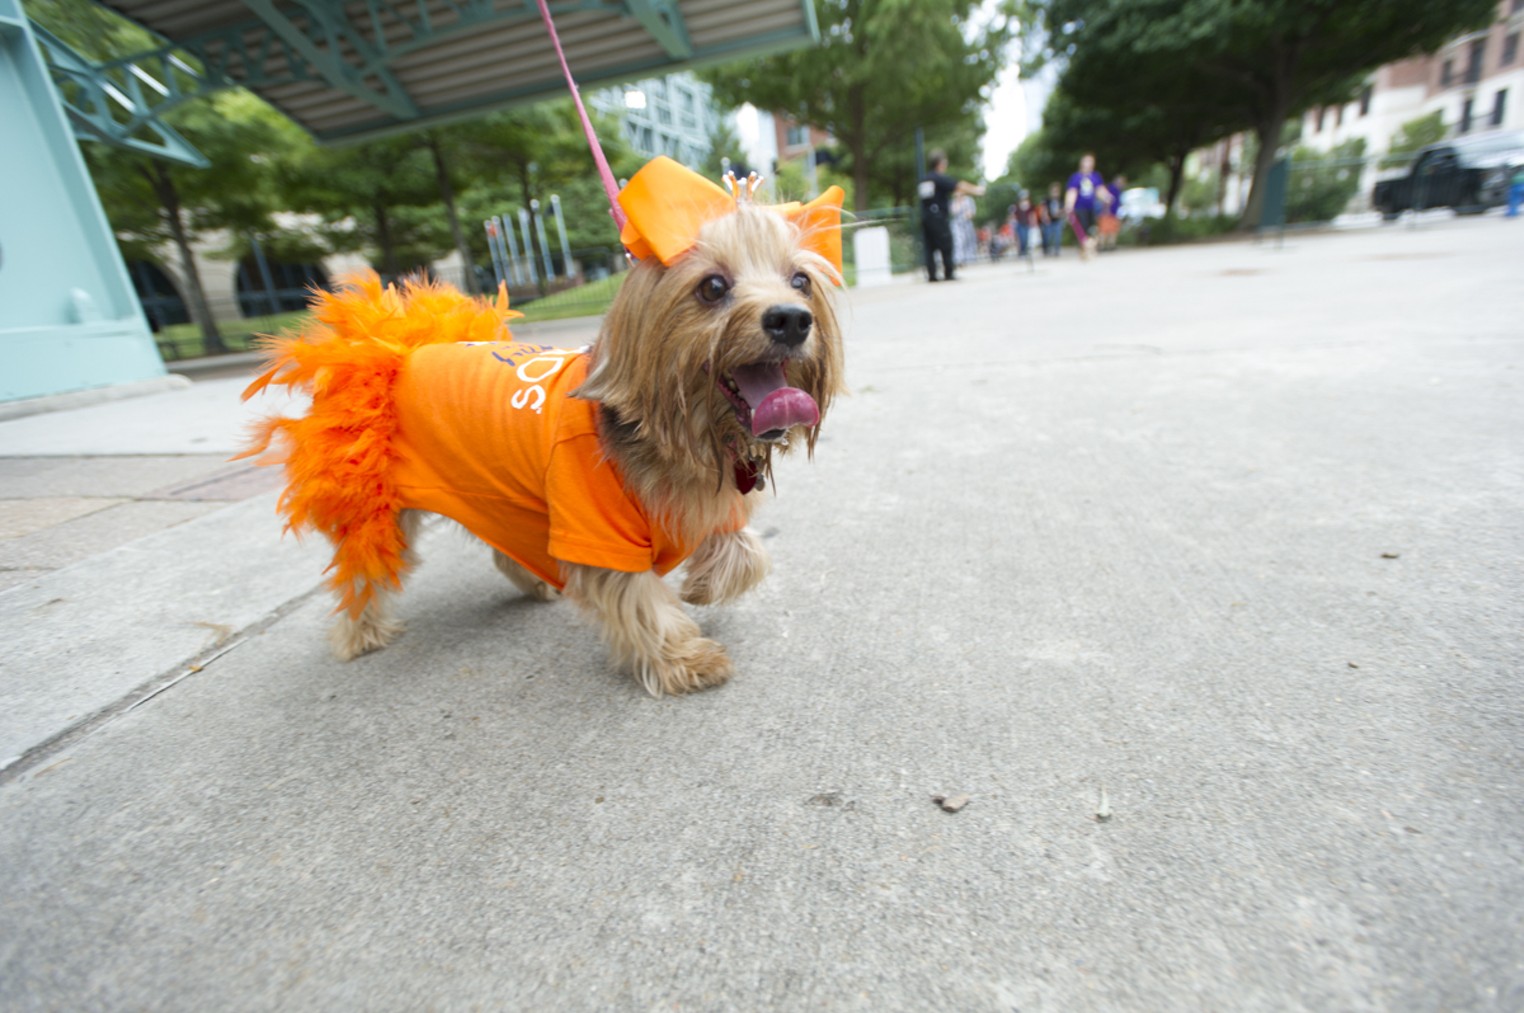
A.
x: 122, y: 101
x: 69, y: 319
x: 330, y: 27
x: 665, y: 24
x: 115, y: 109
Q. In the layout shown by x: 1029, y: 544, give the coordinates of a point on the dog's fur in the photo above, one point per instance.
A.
x: 675, y: 437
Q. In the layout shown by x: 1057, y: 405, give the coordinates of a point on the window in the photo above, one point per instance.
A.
x: 1339, y: 117
x: 1319, y: 128
x: 1474, y: 61
x: 1465, y: 120
x: 1499, y: 104
x: 1365, y: 101
x: 798, y: 135
x: 1446, y: 74
x: 1510, y: 48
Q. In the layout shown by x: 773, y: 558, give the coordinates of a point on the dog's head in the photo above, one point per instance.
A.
x: 729, y: 352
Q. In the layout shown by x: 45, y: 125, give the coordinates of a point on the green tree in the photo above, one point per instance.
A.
x: 725, y: 148
x: 883, y: 68
x: 1411, y: 137
x: 153, y: 203
x: 1263, y: 62
x: 892, y: 175
x: 374, y: 197
x: 1036, y: 163
x: 1173, y: 109
x: 518, y: 155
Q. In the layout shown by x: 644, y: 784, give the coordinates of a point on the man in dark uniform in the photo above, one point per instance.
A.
x: 936, y: 190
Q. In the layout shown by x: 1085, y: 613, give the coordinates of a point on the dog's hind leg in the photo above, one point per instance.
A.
x: 646, y: 628
x: 376, y: 625
x: 528, y: 583
x: 726, y: 565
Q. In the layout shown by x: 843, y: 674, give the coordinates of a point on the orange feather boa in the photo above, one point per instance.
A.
x: 339, y: 455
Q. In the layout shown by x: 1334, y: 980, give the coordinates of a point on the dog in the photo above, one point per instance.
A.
x: 590, y: 472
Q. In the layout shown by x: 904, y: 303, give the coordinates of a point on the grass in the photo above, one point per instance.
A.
x: 588, y: 300
x: 185, y: 341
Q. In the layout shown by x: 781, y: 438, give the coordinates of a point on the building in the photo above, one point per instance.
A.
x: 673, y: 116
x: 1475, y: 82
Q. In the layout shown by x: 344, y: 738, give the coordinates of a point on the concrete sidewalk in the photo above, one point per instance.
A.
x: 1197, y: 569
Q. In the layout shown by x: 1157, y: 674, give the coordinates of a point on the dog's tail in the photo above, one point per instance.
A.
x: 339, y: 456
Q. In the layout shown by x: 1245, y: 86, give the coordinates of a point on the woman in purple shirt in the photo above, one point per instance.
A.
x: 1085, y: 188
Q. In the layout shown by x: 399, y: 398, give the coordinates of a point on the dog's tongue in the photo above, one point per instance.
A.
x: 774, y: 405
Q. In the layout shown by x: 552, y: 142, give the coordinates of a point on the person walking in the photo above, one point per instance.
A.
x: 936, y: 190
x: 965, y: 237
x: 1086, y: 190
x: 1026, y: 216
x: 1111, y: 213
x: 1053, y: 221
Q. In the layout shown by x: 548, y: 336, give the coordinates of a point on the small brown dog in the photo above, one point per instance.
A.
x: 593, y: 472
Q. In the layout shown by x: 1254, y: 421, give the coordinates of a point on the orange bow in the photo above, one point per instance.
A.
x: 668, y: 203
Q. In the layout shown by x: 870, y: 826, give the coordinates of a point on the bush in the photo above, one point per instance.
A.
x: 1174, y: 229
x: 1412, y: 136
x: 1321, y: 185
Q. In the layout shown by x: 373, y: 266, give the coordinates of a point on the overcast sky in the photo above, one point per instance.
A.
x: 1014, y: 109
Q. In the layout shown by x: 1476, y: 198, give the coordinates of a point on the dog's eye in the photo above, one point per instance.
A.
x: 713, y: 288
x: 801, y: 282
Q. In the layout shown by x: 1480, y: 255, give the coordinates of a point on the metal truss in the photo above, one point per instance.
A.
x: 115, y: 106
x: 348, y: 45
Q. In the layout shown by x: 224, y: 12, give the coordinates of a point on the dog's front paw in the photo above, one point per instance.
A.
x: 686, y: 668
x: 725, y: 566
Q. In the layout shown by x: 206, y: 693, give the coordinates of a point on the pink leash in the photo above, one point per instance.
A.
x: 610, y: 186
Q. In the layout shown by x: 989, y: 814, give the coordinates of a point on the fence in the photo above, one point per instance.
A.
x: 243, y: 316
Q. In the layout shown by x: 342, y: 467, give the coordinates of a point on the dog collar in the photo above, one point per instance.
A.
x: 748, y: 476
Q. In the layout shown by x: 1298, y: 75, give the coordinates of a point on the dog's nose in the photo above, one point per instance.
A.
x: 787, y: 324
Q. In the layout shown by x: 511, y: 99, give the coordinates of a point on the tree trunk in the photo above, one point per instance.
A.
x: 447, y: 195
x: 1277, y: 108
x: 1269, y: 134
x: 200, y: 310
x: 857, y: 144
x: 1176, y: 178
x: 384, y: 240
x: 859, y: 181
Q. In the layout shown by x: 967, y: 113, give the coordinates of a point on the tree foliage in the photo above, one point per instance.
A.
x: 1413, y: 136
x: 883, y: 68
x: 1223, y: 65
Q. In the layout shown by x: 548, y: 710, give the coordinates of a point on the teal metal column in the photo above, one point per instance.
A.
x: 69, y: 319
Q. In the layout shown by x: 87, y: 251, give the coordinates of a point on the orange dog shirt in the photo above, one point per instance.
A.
x: 488, y: 435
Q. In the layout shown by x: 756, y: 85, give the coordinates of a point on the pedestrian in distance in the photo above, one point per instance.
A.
x: 1111, y: 214
x: 1053, y: 221
x: 1515, y: 193
x: 936, y: 191
x: 965, y: 238
x: 1026, y: 221
x: 1085, y: 194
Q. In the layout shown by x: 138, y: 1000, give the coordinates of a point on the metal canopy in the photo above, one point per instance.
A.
x: 347, y: 70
